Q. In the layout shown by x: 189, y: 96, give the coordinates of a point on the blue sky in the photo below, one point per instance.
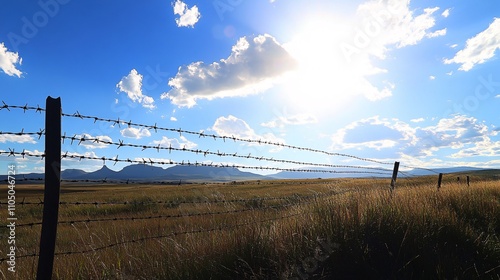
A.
x: 414, y: 81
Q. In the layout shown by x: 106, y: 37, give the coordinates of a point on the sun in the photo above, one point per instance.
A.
x: 325, y: 78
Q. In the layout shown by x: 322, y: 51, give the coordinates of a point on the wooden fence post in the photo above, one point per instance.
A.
x: 52, y: 188
x: 394, y: 175
x: 468, y: 181
x: 439, y: 180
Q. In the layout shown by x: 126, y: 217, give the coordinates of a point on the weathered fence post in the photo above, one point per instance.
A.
x: 440, y: 178
x: 52, y: 187
x: 468, y: 181
x: 394, y: 175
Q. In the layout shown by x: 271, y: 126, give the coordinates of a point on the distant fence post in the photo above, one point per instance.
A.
x: 440, y: 179
x: 52, y: 188
x: 468, y: 181
x: 394, y: 175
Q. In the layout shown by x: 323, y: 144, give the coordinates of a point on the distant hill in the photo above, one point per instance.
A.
x: 143, y: 172
x: 419, y: 172
x: 414, y: 172
x: 343, y: 173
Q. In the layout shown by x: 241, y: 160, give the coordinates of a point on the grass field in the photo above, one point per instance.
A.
x: 305, y: 229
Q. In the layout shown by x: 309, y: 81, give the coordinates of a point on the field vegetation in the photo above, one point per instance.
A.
x: 302, y: 229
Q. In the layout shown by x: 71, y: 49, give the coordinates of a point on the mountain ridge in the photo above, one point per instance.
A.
x: 144, y: 172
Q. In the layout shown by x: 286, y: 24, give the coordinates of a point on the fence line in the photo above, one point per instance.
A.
x: 39, y: 134
x: 155, y: 127
x: 25, y: 107
x: 171, y: 216
x: 66, y: 155
x: 120, y: 143
x: 172, y: 234
x: 178, y: 202
x: 47, y: 155
x: 302, y: 200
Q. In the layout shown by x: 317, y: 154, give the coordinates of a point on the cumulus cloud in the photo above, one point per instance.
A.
x: 250, y: 68
x: 373, y: 133
x: 232, y: 126
x: 188, y: 17
x: 417, y: 120
x: 397, y: 24
x: 465, y: 135
x: 90, y: 144
x: 9, y: 61
x: 478, y: 49
x: 74, y: 155
x: 132, y: 132
x: 436, y: 33
x: 26, y: 159
x: 299, y: 119
x: 17, y: 139
x: 446, y: 13
x: 180, y: 143
x: 132, y: 86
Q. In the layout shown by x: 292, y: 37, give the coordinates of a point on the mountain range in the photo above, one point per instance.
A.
x: 143, y: 172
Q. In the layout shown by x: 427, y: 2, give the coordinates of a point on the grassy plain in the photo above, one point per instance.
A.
x: 353, y: 228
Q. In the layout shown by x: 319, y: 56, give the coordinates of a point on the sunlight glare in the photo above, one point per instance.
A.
x: 324, y: 74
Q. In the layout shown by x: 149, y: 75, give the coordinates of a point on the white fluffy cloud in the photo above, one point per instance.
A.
x: 132, y: 132
x: 232, y: 126
x: 392, y: 22
x: 417, y: 120
x: 17, y: 139
x: 132, y: 86
x: 373, y: 133
x: 188, y: 17
x: 90, y: 144
x: 299, y: 119
x: 9, y: 61
x: 479, y: 48
x: 253, y: 64
x: 175, y: 143
x: 436, y: 33
x: 446, y: 13
x: 464, y: 136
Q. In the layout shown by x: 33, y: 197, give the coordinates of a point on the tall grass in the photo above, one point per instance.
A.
x: 415, y: 232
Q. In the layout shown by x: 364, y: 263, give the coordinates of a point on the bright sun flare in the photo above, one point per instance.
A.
x: 324, y: 78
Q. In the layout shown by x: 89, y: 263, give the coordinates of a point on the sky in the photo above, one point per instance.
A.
x: 409, y: 81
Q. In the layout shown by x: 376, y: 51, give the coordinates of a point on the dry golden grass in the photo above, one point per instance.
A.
x: 415, y: 232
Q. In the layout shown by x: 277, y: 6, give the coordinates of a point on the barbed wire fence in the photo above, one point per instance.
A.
x: 288, y: 202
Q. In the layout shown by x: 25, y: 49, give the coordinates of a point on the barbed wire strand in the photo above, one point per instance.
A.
x: 66, y: 155
x: 178, y: 202
x: 301, y: 200
x: 172, y: 234
x: 152, y: 217
x: 21, y: 133
x: 155, y: 127
x: 120, y: 143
